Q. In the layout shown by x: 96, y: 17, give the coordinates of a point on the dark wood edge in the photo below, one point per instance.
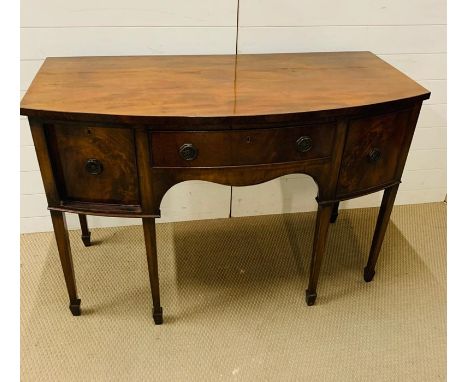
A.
x: 194, y: 173
x: 305, y: 123
x: 363, y: 192
x: 412, y: 121
x: 249, y: 166
x: 45, y: 165
x: 233, y: 121
x: 102, y: 209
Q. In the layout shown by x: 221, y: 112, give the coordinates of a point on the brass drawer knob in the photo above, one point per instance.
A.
x: 304, y: 144
x: 188, y: 151
x: 374, y: 155
x: 93, y: 166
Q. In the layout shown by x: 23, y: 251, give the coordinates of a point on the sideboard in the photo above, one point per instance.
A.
x: 114, y: 134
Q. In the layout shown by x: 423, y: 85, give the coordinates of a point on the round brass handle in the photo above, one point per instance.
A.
x: 304, y: 144
x: 93, y: 166
x: 188, y: 151
x: 374, y: 155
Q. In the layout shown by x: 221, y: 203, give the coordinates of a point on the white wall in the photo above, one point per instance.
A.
x: 409, y: 35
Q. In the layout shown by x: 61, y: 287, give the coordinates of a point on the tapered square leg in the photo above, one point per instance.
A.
x: 63, y: 245
x: 149, y: 229
x: 320, y: 238
x: 158, y: 316
x: 310, y: 297
x: 334, y: 214
x: 85, y: 234
x: 368, y: 274
x: 380, y: 228
x: 75, y: 307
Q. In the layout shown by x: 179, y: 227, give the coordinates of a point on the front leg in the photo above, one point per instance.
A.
x: 379, y: 233
x: 320, y: 238
x: 149, y: 229
x: 63, y: 244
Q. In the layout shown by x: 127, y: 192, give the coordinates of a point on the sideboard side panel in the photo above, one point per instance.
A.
x: 413, y: 119
x: 45, y: 164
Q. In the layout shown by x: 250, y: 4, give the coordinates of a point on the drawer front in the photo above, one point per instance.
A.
x: 241, y: 147
x: 94, y: 164
x: 372, y: 151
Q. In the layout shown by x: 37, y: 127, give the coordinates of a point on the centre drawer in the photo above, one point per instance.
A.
x: 241, y: 147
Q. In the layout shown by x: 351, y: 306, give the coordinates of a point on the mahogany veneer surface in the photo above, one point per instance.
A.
x: 220, y: 85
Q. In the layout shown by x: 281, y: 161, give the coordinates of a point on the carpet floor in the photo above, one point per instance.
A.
x: 232, y: 291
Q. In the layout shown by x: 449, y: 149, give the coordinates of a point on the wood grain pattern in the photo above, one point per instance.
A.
x: 72, y: 146
x: 214, y: 86
x: 242, y: 147
x: 382, y: 134
x: 144, y: 171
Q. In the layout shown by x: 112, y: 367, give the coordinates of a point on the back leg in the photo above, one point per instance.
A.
x: 85, y: 234
x: 334, y: 214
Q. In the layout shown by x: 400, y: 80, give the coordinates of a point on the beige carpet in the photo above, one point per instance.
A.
x: 233, y: 298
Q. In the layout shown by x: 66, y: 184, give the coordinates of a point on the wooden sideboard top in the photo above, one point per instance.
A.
x: 125, y: 88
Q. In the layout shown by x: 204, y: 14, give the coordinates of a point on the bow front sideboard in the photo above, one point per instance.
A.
x: 114, y: 134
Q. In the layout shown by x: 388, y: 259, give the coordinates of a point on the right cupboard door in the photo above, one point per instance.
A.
x: 372, y: 152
